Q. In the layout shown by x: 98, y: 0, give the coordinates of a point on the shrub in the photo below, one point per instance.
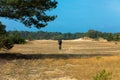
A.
x: 15, y: 37
x: 103, y: 75
x: 6, y: 43
x: 18, y: 40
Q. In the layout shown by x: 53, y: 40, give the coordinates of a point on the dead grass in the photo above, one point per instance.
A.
x: 64, y: 67
x: 68, y: 47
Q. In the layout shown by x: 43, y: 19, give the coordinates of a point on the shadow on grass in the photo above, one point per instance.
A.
x: 12, y: 56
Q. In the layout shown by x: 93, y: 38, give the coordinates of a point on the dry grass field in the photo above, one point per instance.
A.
x: 42, y: 60
x: 68, y: 47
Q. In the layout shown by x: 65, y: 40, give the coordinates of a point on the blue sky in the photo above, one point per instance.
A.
x: 79, y: 16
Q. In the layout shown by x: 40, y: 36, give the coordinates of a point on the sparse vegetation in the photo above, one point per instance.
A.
x: 98, y: 57
x: 103, y: 75
x: 78, y: 60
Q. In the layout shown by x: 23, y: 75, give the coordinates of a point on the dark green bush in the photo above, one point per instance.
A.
x: 18, y: 40
x: 6, y: 42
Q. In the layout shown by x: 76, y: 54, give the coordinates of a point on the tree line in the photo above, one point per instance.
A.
x: 94, y: 34
x: 45, y: 35
x: 9, y: 38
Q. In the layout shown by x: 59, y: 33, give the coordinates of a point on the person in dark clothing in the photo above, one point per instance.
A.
x: 60, y: 43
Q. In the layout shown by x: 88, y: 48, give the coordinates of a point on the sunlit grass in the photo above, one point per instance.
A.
x: 54, y: 66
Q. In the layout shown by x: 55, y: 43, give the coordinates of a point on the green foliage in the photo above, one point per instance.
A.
x: 103, y: 75
x: 47, y: 35
x: 94, y: 34
x: 29, y: 12
x: 109, y: 37
x: 18, y: 40
x: 58, y: 37
x: 15, y: 37
x: 6, y: 40
x: 66, y: 36
x: 2, y: 29
x: 116, y: 37
x: 7, y: 43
